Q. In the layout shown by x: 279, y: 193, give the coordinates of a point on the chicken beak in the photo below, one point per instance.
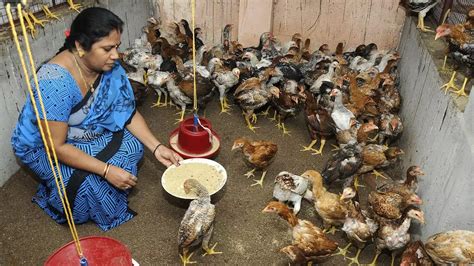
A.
x: 437, y: 36
x: 333, y: 93
x: 266, y: 210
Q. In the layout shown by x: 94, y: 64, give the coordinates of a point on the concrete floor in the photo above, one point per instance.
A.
x: 245, y: 235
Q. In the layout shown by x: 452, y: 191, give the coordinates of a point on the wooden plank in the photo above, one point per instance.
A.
x: 352, y: 22
x: 255, y: 17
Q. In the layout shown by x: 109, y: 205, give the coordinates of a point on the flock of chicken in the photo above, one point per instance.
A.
x: 347, y: 95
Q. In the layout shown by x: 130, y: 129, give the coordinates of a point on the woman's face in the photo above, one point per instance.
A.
x: 103, y: 53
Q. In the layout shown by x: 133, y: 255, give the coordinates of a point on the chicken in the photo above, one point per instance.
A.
x: 390, y: 204
x: 253, y: 94
x: 422, y: 7
x: 359, y: 228
x: 451, y: 247
x: 391, y: 127
x: 340, y: 114
x: 292, y: 188
x: 309, y: 243
x: 224, y: 80
x: 461, y: 47
x: 156, y: 80
x: 318, y: 121
x: 344, y: 163
x: 409, y: 186
x: 139, y: 86
x: 289, y: 102
x: 258, y: 154
x: 182, y: 92
x: 198, y: 222
x: 376, y: 156
x: 415, y: 255
x: 328, y: 205
x: 393, y: 234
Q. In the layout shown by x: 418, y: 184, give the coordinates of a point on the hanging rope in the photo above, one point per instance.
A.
x: 193, y: 7
x: 56, y: 170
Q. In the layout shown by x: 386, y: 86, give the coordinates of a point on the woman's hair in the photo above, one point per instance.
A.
x: 91, y: 25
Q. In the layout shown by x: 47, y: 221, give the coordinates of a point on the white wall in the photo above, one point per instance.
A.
x: 12, y: 85
x: 438, y: 137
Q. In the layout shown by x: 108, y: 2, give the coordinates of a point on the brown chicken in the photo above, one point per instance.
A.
x: 329, y: 206
x: 257, y: 154
x: 319, y: 122
x: 253, y: 94
x: 309, y: 244
x: 376, y: 156
x: 409, y: 186
x: 390, y: 204
x: 451, y: 247
x: 415, y: 255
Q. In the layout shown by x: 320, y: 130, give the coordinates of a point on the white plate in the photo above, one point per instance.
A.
x: 212, y: 163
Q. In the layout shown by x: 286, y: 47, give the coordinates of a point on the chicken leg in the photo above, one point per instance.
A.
x: 421, y: 23
x: 30, y: 25
x: 183, y: 110
x: 37, y: 21
x: 250, y: 173
x: 343, y: 251
x: 74, y: 6
x: 461, y: 92
x: 378, y: 174
x: 185, y: 259
x: 259, y: 182
x: 354, y: 260
x: 320, y: 150
x: 48, y: 13
x: 158, y: 101
x: 310, y: 146
x: 265, y: 113
x: 331, y: 230
x: 377, y: 254
x: 247, y: 120
x: 224, y: 108
x: 450, y: 84
x: 444, y: 68
x: 205, y: 244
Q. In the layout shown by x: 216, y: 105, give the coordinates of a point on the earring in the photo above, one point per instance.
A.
x: 81, y: 53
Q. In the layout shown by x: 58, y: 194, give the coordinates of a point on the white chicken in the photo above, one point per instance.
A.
x: 292, y: 188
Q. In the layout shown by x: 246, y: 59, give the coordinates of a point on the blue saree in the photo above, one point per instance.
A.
x: 97, y: 127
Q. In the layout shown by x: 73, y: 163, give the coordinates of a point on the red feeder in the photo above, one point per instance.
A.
x: 98, y: 250
x: 191, y: 140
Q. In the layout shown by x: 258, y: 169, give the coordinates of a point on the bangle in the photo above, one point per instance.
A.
x: 106, y: 171
x: 156, y: 148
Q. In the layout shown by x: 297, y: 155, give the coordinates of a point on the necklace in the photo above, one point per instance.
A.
x: 88, y: 85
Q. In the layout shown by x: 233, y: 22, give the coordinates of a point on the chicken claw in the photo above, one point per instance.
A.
x: 310, y: 146
x: 186, y: 259
x: 332, y: 230
x: 354, y: 260
x: 254, y: 118
x: 285, y: 131
x: 335, y: 147
x: 158, y: 102
x: 320, y: 151
x: 444, y: 68
x: 48, y: 13
x: 259, y: 182
x: 250, y: 173
x: 450, y: 84
x: 377, y: 173
x: 265, y: 113
x: 224, y: 107
x: 342, y: 251
x: 74, y: 6
x: 461, y: 92
x: 421, y: 24
x: 211, y: 251
x: 274, y: 116
x: 374, y: 260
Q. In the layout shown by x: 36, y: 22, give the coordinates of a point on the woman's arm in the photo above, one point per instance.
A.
x: 140, y: 129
x: 75, y: 158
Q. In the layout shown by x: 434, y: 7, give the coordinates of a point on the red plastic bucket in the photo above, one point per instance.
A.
x: 98, y: 250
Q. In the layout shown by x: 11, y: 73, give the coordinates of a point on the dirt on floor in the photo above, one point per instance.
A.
x: 244, y: 234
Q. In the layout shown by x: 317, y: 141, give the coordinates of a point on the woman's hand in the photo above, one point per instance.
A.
x: 120, y: 178
x: 166, y: 156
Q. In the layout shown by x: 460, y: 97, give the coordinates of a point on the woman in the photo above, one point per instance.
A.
x: 96, y: 131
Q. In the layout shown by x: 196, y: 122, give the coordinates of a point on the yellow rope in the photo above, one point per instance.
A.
x: 193, y: 3
x: 60, y: 187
